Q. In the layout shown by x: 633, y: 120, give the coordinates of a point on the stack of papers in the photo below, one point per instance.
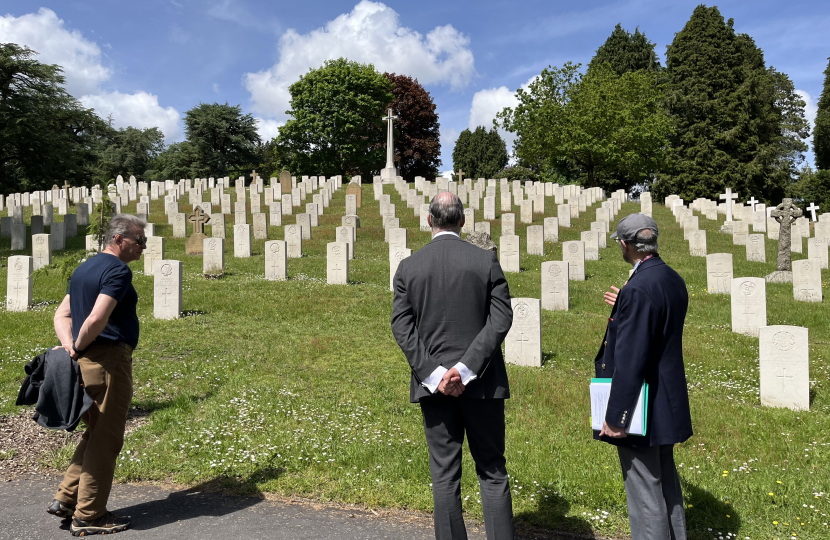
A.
x: 601, y: 391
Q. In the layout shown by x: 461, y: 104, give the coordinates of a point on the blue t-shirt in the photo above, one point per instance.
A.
x: 105, y: 274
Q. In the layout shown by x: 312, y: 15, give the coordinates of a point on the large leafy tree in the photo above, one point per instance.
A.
x: 821, y: 132
x: 178, y: 160
x: 737, y: 123
x: 417, y: 140
x: 46, y: 135
x: 480, y: 153
x: 224, y: 139
x: 336, y: 125
x: 626, y: 52
x: 131, y: 151
x: 600, y: 129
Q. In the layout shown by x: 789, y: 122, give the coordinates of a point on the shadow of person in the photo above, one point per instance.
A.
x: 705, y: 511
x: 550, y: 520
x: 209, y: 499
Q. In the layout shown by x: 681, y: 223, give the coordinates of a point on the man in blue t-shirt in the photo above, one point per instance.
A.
x: 97, y: 324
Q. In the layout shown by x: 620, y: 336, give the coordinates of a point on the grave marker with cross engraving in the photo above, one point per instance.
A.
x: 523, y: 344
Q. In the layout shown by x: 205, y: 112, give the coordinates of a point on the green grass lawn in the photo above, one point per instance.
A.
x: 298, y: 387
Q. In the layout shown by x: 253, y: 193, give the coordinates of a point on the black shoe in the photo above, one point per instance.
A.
x: 61, y: 509
x: 106, y: 524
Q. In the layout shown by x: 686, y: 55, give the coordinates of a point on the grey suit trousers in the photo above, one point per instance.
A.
x: 652, y: 487
x: 446, y: 419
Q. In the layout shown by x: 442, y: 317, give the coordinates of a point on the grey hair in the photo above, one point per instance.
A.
x: 645, y: 241
x: 446, y: 210
x: 124, y: 225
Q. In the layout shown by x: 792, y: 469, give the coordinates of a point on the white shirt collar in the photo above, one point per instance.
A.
x: 446, y: 232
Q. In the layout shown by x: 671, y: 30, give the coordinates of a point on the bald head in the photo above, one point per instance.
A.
x: 446, y: 212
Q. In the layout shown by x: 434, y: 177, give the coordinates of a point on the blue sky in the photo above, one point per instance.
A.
x: 148, y: 62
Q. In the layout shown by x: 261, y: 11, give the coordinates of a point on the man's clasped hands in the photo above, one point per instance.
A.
x: 450, y: 384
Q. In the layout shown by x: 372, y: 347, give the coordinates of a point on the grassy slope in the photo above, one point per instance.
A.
x: 297, y: 387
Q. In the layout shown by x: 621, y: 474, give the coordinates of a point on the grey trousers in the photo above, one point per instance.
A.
x: 446, y: 419
x: 652, y: 487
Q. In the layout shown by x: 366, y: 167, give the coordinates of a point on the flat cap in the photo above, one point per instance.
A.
x: 630, y: 225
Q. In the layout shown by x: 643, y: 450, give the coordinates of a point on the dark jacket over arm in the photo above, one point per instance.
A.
x: 452, y: 304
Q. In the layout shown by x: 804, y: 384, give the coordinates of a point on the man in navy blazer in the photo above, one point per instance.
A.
x: 450, y: 315
x: 644, y: 342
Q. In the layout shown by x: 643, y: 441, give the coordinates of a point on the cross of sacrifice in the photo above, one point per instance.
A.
x: 812, y: 209
x: 521, y: 340
x: 199, y: 219
x: 460, y: 174
x: 728, y: 197
x: 752, y: 202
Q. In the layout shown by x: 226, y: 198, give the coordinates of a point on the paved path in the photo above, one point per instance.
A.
x: 193, y: 515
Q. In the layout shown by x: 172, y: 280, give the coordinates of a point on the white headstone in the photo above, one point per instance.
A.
x: 589, y: 238
x: 523, y: 344
x: 719, y: 273
x: 41, y: 250
x: 260, y: 223
x: 756, y: 249
x: 242, y: 241
x: 19, y: 283
x: 396, y: 255
x: 807, y: 281
x: 573, y: 253
x: 817, y: 251
x: 217, y: 225
x: 179, y: 225
x: 213, y: 256
x: 57, y: 236
x: 555, y: 286
x: 697, y: 243
x: 536, y: 240
x: 563, y: 211
x: 551, y: 225
x: 785, y: 367
x: 509, y: 252
x: 294, y: 241
x: 276, y: 260
x: 18, y: 234
x: 749, y: 305
x: 337, y: 263
x: 167, y: 289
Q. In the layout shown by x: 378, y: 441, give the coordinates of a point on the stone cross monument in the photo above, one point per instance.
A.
x: 195, y: 243
x: 389, y: 173
x: 785, y: 213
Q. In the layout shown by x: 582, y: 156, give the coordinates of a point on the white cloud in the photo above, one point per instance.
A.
x: 45, y: 33
x: 139, y: 110
x: 268, y: 129
x: 486, y: 103
x: 370, y: 33
x: 811, y: 107
x: 81, y: 60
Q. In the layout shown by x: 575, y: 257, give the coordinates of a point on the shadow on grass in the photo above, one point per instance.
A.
x: 146, y: 407
x: 550, y: 520
x: 706, y: 512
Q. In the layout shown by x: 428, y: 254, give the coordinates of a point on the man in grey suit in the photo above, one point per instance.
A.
x: 450, y: 314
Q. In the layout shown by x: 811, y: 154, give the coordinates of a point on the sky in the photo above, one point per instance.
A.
x: 146, y: 63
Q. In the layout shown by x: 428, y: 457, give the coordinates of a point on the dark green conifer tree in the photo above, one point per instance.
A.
x: 627, y: 52
x: 821, y: 132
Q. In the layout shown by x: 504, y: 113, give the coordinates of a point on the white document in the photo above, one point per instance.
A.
x: 601, y: 391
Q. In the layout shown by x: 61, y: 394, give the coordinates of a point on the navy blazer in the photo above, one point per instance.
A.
x: 452, y: 304
x: 644, y: 341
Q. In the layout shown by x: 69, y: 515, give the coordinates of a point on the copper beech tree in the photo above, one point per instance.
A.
x: 417, y: 143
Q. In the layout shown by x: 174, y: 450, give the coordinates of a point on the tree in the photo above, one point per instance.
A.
x: 130, y: 152
x: 821, y: 132
x: 736, y: 123
x: 224, y: 139
x: 626, y: 52
x: 600, y: 129
x: 45, y: 133
x: 417, y: 141
x: 812, y: 187
x: 179, y: 160
x: 336, y: 125
x: 480, y: 153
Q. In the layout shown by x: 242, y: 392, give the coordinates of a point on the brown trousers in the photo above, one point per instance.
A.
x: 107, y: 371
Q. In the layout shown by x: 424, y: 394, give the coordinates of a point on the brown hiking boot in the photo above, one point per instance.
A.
x: 106, y: 524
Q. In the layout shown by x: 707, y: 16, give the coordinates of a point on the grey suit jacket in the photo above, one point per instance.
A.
x: 451, y: 305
